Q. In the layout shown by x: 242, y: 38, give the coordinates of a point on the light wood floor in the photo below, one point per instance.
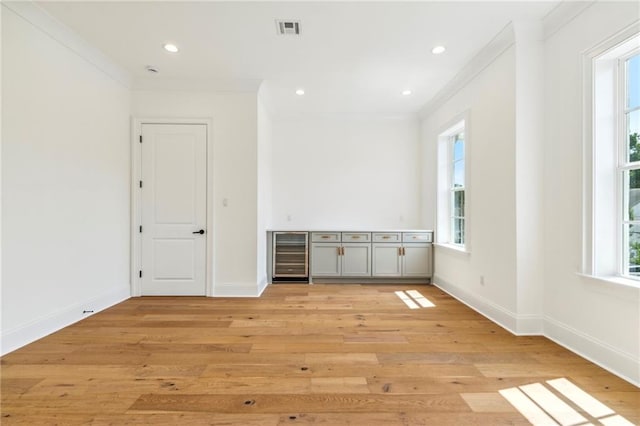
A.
x: 300, y: 354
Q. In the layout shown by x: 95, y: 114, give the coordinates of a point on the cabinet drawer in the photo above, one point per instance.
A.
x: 356, y: 237
x: 417, y: 237
x: 386, y: 237
x: 320, y: 237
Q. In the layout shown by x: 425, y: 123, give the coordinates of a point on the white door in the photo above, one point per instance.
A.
x: 174, y: 209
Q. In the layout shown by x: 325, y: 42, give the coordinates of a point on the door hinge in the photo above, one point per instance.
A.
x: 140, y: 138
x: 140, y: 184
x: 140, y: 228
x: 140, y: 273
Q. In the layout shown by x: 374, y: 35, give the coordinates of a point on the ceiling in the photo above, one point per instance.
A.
x: 350, y: 57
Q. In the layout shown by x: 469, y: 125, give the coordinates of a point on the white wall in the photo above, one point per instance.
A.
x: 65, y: 184
x: 342, y: 172
x: 235, y: 176
x: 597, y: 319
x: 489, y: 101
x: 522, y: 181
x: 529, y: 106
x: 265, y: 132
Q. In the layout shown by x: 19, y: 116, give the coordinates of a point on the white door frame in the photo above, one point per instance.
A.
x: 136, y: 210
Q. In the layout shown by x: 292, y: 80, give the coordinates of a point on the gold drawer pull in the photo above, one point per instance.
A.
x: 386, y: 237
x: 325, y: 237
x: 355, y: 237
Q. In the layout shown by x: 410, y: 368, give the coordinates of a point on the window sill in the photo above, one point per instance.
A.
x: 618, y: 281
x: 453, y: 248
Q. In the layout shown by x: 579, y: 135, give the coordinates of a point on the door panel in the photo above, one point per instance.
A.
x: 325, y: 260
x: 174, y: 199
x: 173, y: 259
x: 417, y: 260
x: 174, y: 174
x: 356, y: 260
x: 386, y: 260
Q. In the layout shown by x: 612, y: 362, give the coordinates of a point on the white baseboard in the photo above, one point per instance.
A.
x: 529, y: 325
x: 615, y: 361
x: 520, y: 325
x: 40, y: 327
x: 238, y: 289
x: 501, y: 316
x: 262, y: 286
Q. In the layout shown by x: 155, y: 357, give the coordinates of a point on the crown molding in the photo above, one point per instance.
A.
x: 64, y: 35
x: 562, y: 14
x: 485, y: 57
x: 559, y: 16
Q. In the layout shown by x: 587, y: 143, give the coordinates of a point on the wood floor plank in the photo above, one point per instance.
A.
x: 270, y: 403
x: 299, y: 354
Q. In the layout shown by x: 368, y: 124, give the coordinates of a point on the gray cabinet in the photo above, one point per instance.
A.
x: 356, y: 259
x: 371, y: 255
x: 342, y: 258
x: 416, y: 260
x: 387, y: 259
x: 406, y: 259
x: 326, y: 260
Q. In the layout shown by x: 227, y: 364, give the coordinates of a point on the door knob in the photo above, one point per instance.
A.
x: 199, y: 232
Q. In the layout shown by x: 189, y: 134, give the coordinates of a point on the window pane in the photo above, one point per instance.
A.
x: 458, y: 174
x: 458, y: 147
x: 458, y: 231
x: 633, y: 131
x: 633, y: 82
x: 632, y: 190
x: 634, y: 250
x: 458, y: 203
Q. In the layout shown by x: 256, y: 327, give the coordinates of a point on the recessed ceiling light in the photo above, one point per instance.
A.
x: 406, y: 92
x: 171, y: 48
x: 299, y: 92
x: 438, y: 50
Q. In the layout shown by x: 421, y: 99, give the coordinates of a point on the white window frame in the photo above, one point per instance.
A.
x: 624, y: 166
x: 605, y: 255
x: 445, y: 190
x: 453, y: 189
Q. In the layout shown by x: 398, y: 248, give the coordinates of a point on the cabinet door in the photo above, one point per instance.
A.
x: 325, y: 260
x: 386, y: 260
x: 416, y: 261
x: 356, y: 260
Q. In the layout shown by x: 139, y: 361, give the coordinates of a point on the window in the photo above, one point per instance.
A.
x: 452, y: 208
x: 629, y: 164
x: 612, y: 188
x: 457, y: 188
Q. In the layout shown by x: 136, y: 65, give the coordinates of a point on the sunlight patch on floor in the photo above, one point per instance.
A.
x: 541, y: 406
x: 407, y: 300
x: 411, y: 297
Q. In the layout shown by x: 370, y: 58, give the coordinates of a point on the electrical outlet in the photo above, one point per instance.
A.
x: 481, y: 279
x: 288, y: 218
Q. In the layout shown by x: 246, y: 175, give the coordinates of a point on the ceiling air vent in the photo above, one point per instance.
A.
x: 288, y: 27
